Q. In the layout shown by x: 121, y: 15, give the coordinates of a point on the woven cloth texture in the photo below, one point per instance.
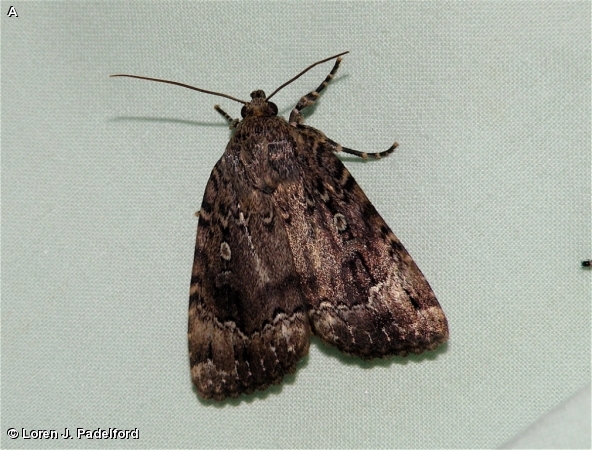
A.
x: 489, y: 191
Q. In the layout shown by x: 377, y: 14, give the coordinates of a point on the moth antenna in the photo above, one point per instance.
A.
x: 303, y: 72
x: 182, y: 85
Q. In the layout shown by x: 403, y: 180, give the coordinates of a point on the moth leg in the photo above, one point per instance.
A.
x: 233, y: 122
x: 310, y: 98
x: 335, y: 147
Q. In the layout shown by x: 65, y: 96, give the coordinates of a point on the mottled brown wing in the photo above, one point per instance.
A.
x: 247, y: 317
x: 365, y: 294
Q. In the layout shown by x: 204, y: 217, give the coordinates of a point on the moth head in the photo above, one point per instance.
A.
x: 259, y: 106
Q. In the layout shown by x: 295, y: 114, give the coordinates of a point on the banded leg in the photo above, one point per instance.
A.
x: 338, y: 148
x: 233, y: 122
x: 310, y: 98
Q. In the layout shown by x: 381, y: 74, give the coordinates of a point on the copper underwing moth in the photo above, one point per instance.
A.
x: 287, y: 245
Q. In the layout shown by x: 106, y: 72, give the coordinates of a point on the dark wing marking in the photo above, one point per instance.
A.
x: 247, y: 317
x: 365, y: 294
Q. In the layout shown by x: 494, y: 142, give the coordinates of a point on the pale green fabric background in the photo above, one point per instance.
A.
x: 489, y: 191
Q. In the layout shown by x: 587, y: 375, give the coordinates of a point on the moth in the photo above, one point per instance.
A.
x: 289, y: 245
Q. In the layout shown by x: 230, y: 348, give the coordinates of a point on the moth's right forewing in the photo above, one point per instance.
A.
x: 364, y: 292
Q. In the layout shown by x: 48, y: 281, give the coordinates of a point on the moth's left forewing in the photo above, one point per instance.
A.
x: 247, y: 320
x: 365, y: 293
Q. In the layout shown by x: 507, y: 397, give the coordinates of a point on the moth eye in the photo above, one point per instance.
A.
x: 244, y: 112
x: 274, y: 108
